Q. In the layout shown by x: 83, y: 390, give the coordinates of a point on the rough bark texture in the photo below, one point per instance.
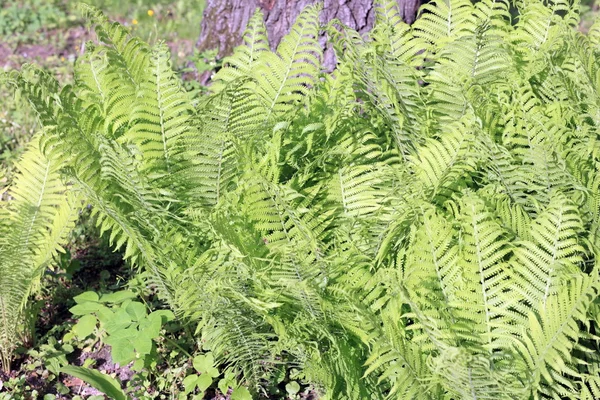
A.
x: 224, y: 21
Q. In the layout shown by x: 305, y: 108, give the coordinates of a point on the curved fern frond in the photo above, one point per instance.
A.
x: 442, y: 21
x: 548, y: 340
x: 103, y: 81
x: 283, y: 78
x: 160, y: 118
x: 355, y: 189
x: 245, y: 57
x: 432, y: 269
x: 468, y: 376
x: 553, y: 254
x: 407, y: 370
x: 127, y: 50
x: 423, y: 223
x: 441, y: 165
x: 539, y: 23
x: 38, y: 219
x: 483, y: 253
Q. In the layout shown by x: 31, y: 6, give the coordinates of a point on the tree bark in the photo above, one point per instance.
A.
x: 224, y: 21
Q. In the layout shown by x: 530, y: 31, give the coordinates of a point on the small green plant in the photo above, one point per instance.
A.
x: 52, y: 356
x: 206, y: 376
x: 28, y: 16
x: 117, y: 320
x: 36, y: 215
x: 204, y: 365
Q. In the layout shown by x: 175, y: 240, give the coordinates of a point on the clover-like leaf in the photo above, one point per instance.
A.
x: 204, y: 362
x: 204, y: 381
x: 292, y: 387
x: 136, y: 310
x: 227, y: 382
x: 189, y: 383
x: 241, y: 393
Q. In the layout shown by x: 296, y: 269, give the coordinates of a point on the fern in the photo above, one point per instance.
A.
x: 36, y: 223
x: 546, y: 346
x: 552, y: 254
x: 421, y: 223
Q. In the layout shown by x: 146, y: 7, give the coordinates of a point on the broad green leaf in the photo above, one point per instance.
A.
x: 138, y: 364
x: 85, y: 326
x: 227, y: 382
x: 189, y: 383
x: 292, y: 387
x: 151, y: 326
x: 122, y: 350
x: 84, y: 308
x: 204, y: 381
x: 117, y: 297
x: 204, y: 362
x: 86, y: 296
x: 166, y: 315
x: 105, y: 314
x: 129, y: 333
x: 241, y: 393
x: 136, y: 310
x: 106, y: 384
x: 214, y: 372
x: 142, y: 344
x: 120, y: 320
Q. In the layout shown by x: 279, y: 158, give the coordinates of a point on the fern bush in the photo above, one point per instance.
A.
x: 35, y: 219
x: 423, y: 223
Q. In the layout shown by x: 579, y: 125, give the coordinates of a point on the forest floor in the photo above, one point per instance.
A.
x: 97, y: 267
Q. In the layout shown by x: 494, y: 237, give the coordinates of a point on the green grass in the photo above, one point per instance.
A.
x: 151, y: 19
x: 47, y: 23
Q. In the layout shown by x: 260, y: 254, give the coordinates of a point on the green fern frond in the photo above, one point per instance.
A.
x: 442, y: 21
x: 432, y: 264
x: 241, y: 341
x: 38, y: 220
x: 125, y: 49
x: 228, y: 129
x: 551, y: 335
x: 161, y: 118
x: 103, y: 82
x: 245, y: 57
x: 423, y: 223
x: 483, y: 253
x: 439, y: 165
x: 279, y: 214
x: 553, y: 254
x: 468, y: 376
x: 283, y: 78
x: 539, y: 23
x: 594, y: 33
x: 354, y: 188
x: 386, y: 13
x: 406, y: 368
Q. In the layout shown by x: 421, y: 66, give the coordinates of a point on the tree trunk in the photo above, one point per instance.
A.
x: 224, y: 21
